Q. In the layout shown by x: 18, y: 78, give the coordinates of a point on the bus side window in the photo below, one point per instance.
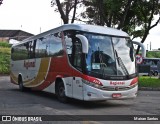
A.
x: 74, y: 49
x: 12, y: 52
x: 24, y: 52
x: 37, y: 49
x: 77, y: 62
x: 55, y: 46
x: 13, y: 55
x: 34, y: 48
x: 155, y: 62
x: 32, y: 45
x: 69, y: 46
x: 41, y: 48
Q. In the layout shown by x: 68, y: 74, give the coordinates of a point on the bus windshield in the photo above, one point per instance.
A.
x: 109, y: 56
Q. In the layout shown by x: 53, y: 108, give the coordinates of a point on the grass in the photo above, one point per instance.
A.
x: 4, y: 58
x: 4, y: 44
x: 145, y: 81
x: 153, y: 54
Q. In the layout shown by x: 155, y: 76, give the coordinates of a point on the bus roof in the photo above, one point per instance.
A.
x: 82, y: 27
x: 95, y: 29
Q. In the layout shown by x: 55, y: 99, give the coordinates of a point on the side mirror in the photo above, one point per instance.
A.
x: 84, y: 42
x: 142, y: 47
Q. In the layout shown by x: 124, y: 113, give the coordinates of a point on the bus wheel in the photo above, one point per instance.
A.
x: 61, y: 92
x: 20, y: 82
x: 151, y: 73
x: 155, y: 73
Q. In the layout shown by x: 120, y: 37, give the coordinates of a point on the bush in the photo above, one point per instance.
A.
x: 5, y: 58
x: 5, y: 44
x: 145, y: 81
x: 153, y: 54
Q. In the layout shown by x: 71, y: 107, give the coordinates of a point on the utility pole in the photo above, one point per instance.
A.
x: 21, y: 27
x: 40, y: 29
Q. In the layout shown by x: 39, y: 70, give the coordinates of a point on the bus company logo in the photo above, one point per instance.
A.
x: 29, y: 64
x: 117, y: 83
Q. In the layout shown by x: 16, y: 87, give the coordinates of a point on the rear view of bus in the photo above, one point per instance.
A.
x: 96, y: 63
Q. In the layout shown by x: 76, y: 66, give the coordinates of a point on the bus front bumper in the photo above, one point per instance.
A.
x: 94, y: 94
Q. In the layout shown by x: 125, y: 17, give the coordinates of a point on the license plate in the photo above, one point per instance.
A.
x: 116, y: 95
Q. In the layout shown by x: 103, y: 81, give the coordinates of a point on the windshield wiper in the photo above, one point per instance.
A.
x: 121, y: 64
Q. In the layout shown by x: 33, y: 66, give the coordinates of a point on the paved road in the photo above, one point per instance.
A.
x: 14, y: 102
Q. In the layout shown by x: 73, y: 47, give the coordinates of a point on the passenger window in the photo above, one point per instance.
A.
x: 69, y: 48
x: 74, y: 49
x: 32, y: 47
x: 55, y: 46
x: 41, y: 48
x: 77, y: 54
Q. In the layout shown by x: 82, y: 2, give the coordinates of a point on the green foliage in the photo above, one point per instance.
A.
x: 145, y: 81
x: 153, y: 54
x: 4, y: 44
x: 5, y: 49
x: 132, y: 16
x: 1, y: 2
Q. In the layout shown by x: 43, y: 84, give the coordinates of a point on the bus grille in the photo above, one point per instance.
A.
x: 108, y: 88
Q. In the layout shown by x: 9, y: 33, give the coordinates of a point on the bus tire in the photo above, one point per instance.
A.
x: 60, y: 92
x: 20, y: 82
x: 155, y: 73
x: 151, y: 73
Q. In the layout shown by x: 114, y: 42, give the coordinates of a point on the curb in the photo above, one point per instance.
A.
x: 148, y: 89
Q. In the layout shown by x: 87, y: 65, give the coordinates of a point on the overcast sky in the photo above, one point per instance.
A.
x: 33, y: 15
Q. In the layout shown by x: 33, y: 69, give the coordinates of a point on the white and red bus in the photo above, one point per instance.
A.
x: 84, y: 62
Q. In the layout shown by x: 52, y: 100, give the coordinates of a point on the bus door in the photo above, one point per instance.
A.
x: 77, y: 88
x: 77, y: 63
x: 74, y: 51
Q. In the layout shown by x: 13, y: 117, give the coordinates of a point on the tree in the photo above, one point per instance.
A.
x: 150, y: 8
x: 107, y: 12
x: 132, y: 16
x: 1, y: 2
x: 66, y: 8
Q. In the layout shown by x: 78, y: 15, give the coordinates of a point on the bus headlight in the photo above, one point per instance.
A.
x: 134, y: 82
x: 96, y: 85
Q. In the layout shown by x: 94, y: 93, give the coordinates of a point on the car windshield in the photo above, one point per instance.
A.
x: 109, y: 56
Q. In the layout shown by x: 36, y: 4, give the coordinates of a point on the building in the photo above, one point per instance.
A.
x: 19, y: 35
